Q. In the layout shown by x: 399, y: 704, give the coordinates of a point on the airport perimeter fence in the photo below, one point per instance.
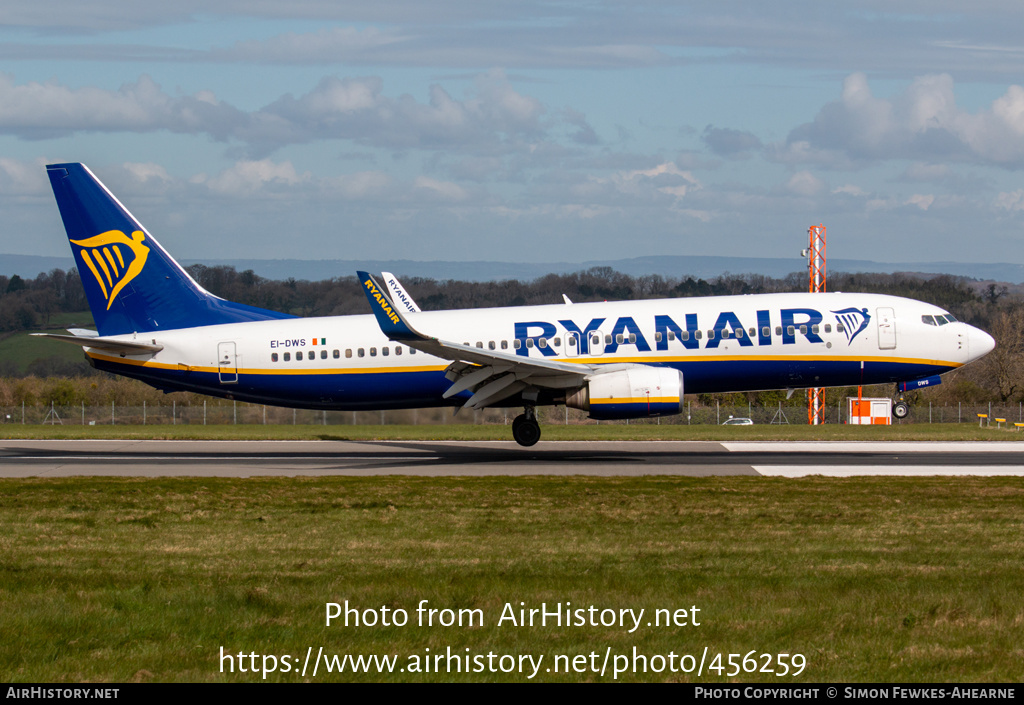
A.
x: 220, y: 413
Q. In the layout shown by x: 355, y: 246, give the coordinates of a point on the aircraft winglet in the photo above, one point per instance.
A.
x: 390, y: 319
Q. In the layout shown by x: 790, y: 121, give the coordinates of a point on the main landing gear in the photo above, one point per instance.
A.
x: 525, y: 429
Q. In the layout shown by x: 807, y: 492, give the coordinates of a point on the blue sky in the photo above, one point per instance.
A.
x: 523, y: 131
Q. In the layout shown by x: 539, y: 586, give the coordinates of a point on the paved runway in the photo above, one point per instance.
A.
x: 25, y: 458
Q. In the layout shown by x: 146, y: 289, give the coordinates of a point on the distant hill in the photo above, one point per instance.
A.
x: 675, y: 266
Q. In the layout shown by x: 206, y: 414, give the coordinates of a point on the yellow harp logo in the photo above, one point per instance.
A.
x: 114, y: 259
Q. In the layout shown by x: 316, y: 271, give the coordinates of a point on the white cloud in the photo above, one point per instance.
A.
x: 444, y: 190
x: 246, y: 178
x: 46, y: 110
x: 922, y: 201
x: 923, y: 123
x: 804, y: 183
x: 850, y: 190
x: 1010, y: 201
x: 23, y: 178
x: 146, y: 172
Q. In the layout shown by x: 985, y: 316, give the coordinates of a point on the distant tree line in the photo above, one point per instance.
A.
x: 30, y: 304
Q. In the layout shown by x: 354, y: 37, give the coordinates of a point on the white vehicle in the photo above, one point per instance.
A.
x: 625, y: 359
x: 738, y: 421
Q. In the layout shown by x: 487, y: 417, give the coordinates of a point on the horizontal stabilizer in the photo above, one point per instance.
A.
x: 113, y: 345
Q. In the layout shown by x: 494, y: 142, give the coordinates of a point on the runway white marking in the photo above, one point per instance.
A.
x: 890, y: 470
x: 874, y: 446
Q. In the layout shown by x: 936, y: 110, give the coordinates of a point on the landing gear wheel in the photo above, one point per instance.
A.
x: 900, y: 410
x: 525, y: 430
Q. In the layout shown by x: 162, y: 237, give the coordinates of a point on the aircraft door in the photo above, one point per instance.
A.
x: 227, y: 363
x: 596, y: 346
x: 886, y: 329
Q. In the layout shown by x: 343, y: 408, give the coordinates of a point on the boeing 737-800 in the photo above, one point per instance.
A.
x: 616, y: 360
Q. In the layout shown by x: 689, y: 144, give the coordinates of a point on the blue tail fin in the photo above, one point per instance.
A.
x: 132, y: 284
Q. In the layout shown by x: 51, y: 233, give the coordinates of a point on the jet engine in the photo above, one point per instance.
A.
x: 631, y: 392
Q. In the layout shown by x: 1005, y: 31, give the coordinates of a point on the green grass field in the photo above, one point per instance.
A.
x: 869, y: 579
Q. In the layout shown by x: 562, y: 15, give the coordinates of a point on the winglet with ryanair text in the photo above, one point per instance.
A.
x: 389, y: 318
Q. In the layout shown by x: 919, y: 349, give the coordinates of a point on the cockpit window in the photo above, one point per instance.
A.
x: 930, y: 320
x: 950, y: 318
x: 941, y: 320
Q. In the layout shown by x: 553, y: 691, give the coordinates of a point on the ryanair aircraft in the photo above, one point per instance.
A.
x: 616, y: 360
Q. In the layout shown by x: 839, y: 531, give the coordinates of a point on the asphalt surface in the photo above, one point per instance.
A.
x: 27, y: 458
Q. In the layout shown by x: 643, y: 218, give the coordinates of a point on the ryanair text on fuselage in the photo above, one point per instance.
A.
x: 788, y: 324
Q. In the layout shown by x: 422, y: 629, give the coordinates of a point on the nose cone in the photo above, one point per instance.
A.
x: 979, y: 343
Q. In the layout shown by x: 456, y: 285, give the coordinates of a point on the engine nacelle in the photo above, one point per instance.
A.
x: 635, y: 392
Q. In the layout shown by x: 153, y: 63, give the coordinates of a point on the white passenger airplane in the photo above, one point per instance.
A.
x: 617, y: 360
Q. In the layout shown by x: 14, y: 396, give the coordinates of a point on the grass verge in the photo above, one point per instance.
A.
x: 871, y: 579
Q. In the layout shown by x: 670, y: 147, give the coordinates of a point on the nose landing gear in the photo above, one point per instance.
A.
x: 525, y: 429
x: 900, y: 408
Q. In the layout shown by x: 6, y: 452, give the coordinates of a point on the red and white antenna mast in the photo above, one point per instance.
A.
x: 817, y: 271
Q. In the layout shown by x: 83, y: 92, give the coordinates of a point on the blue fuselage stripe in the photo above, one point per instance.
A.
x: 396, y: 389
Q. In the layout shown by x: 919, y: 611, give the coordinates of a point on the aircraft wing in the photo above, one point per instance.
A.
x: 491, y: 375
x: 112, y: 345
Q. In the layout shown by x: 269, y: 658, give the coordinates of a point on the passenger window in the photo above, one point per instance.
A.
x: 542, y: 342
x: 287, y: 357
x: 657, y: 337
x: 348, y: 352
x: 273, y: 357
x: 632, y: 337
x: 752, y: 332
x: 398, y: 350
x: 362, y: 352
x: 529, y: 342
x: 618, y: 339
x: 725, y: 332
x: 516, y: 344
x: 412, y: 351
x: 778, y: 330
x: 558, y: 342
x: 791, y: 330
x: 608, y: 339
x: 298, y: 355
x: 480, y: 345
x: 596, y: 339
x: 697, y: 334
x: 385, y: 352
x: 373, y: 352
x: 504, y: 345
x: 711, y: 334
x: 684, y: 336
x: 814, y: 329
x: 490, y: 345
x: 766, y: 332
x: 337, y: 354
x: 672, y: 335
x: 323, y: 354
x: 740, y: 332
x: 828, y: 327
x: 803, y: 329
x: 839, y: 328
